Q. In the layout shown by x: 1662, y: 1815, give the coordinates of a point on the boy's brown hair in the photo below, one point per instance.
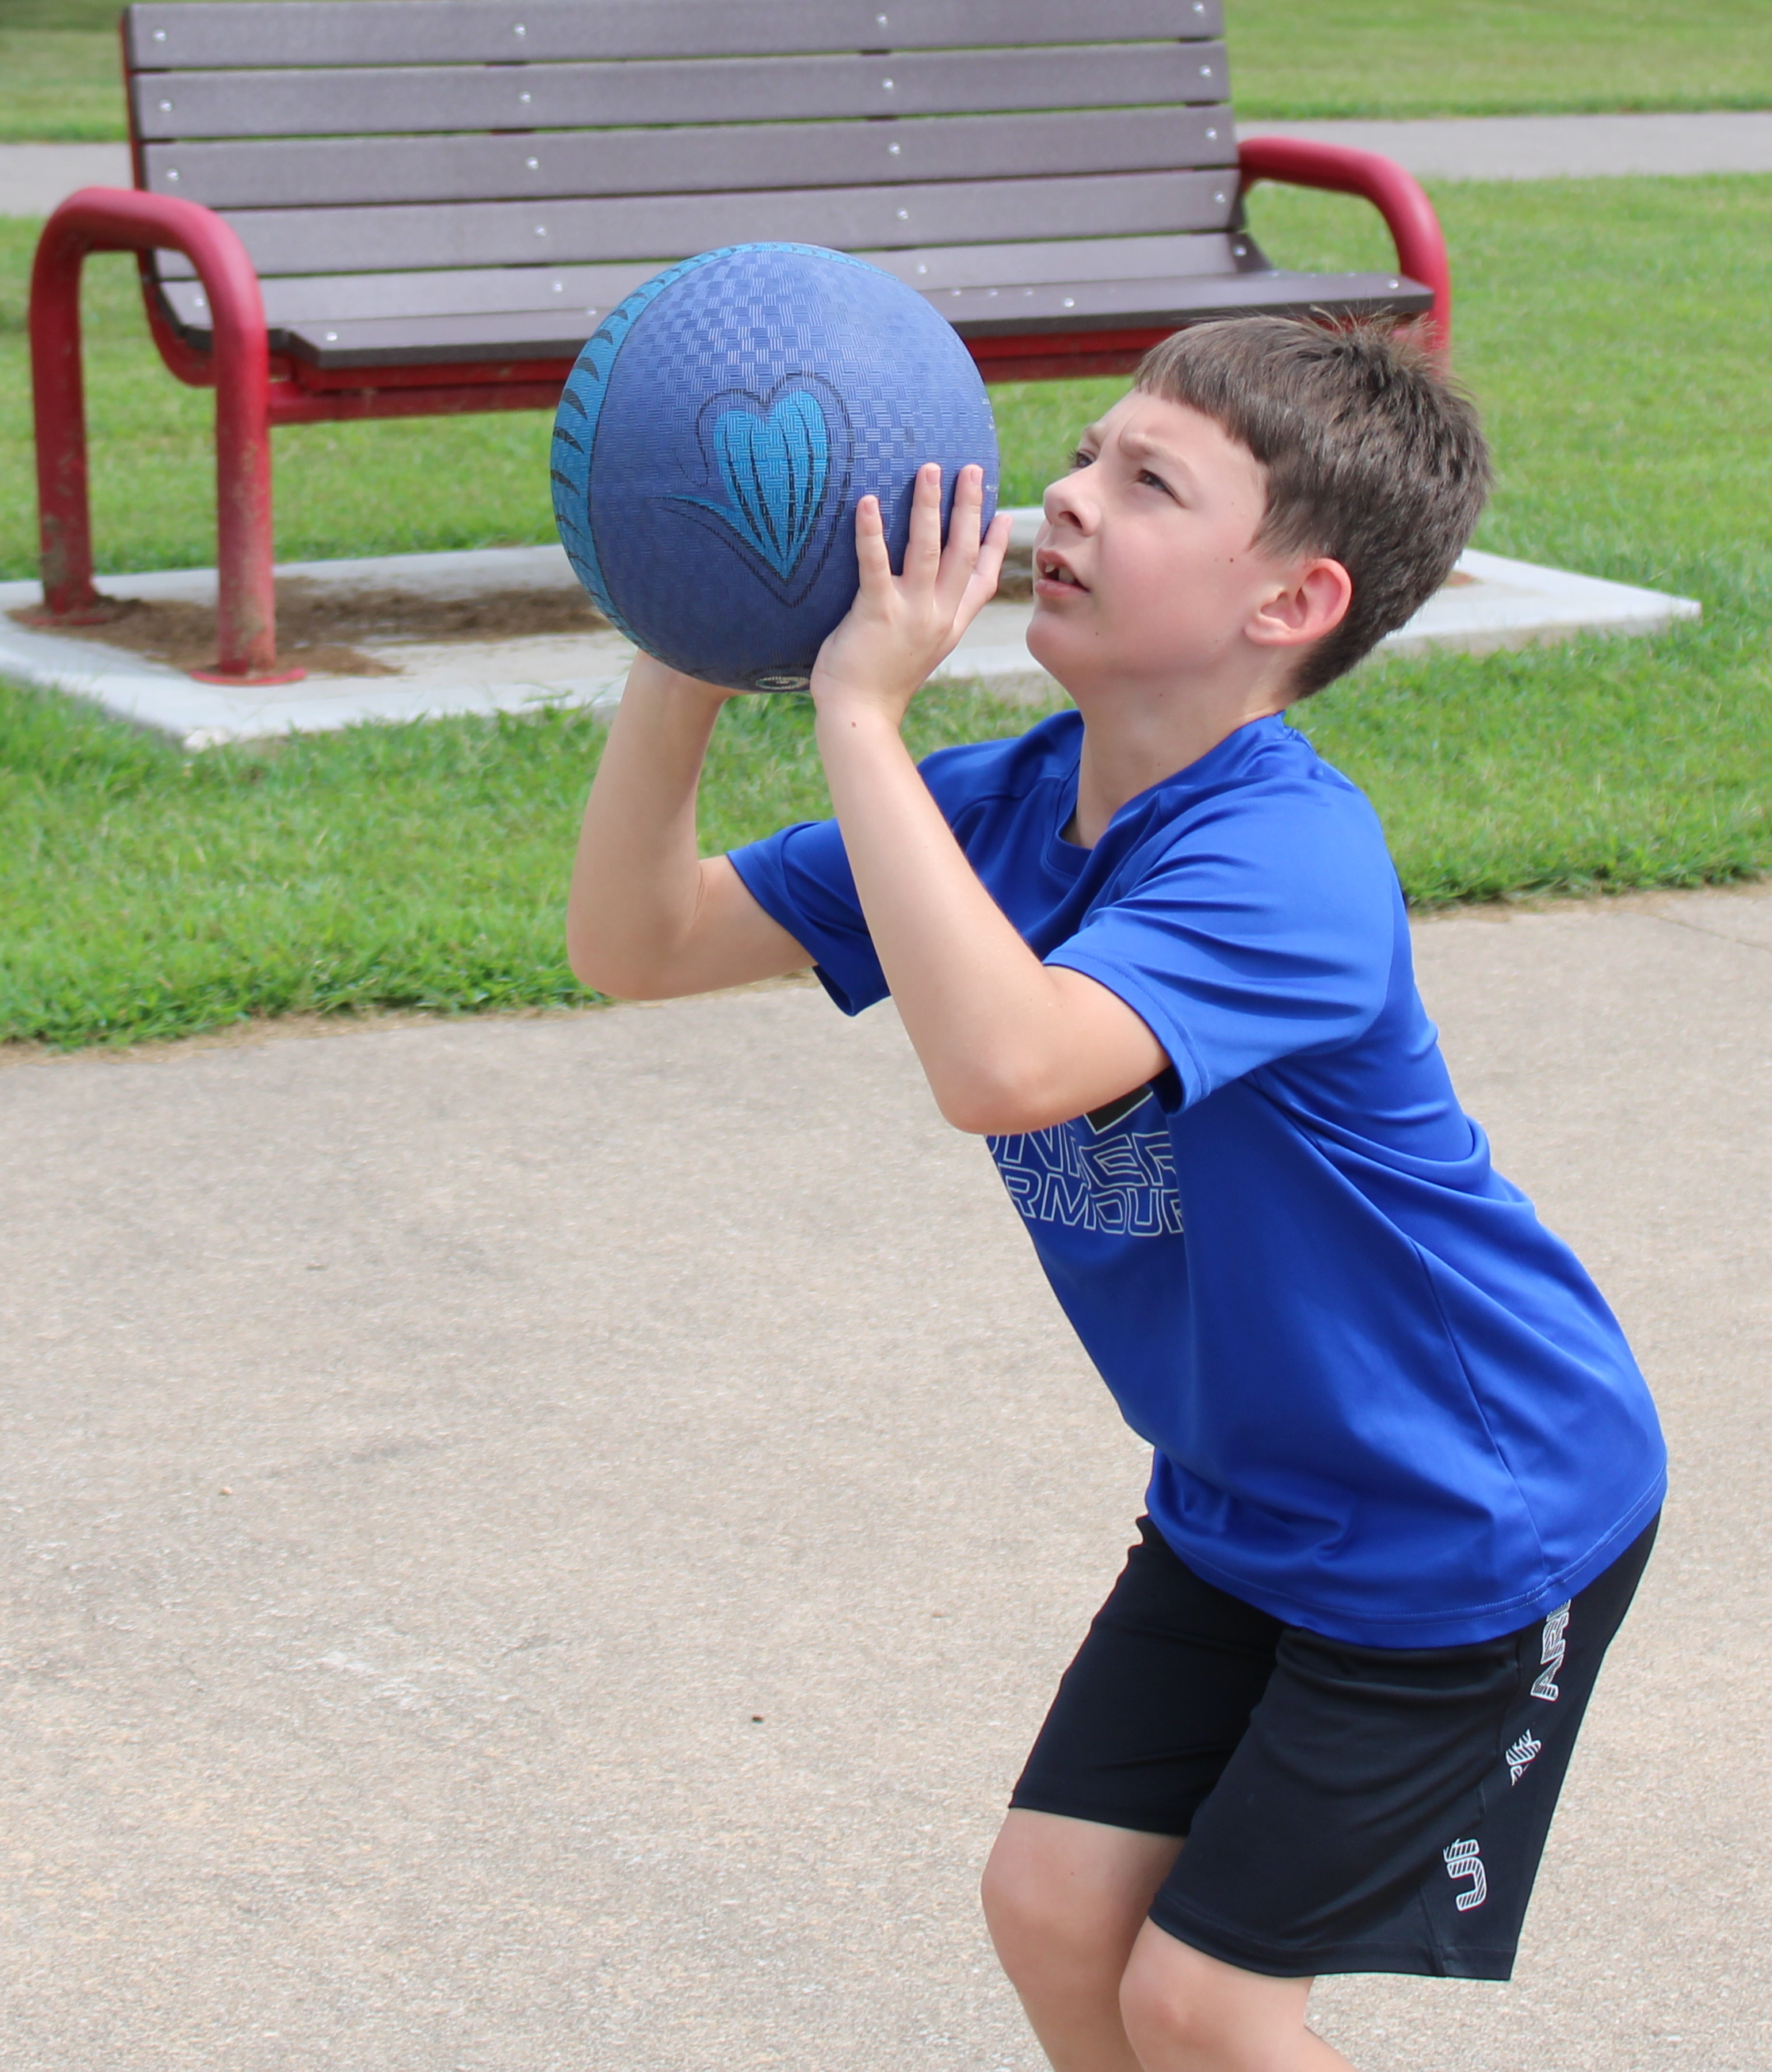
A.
x: 1372, y: 458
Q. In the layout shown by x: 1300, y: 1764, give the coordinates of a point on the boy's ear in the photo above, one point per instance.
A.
x: 1313, y: 602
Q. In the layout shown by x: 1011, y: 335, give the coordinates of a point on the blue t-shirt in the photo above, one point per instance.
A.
x: 1387, y: 1403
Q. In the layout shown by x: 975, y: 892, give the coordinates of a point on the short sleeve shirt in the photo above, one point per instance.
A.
x: 1385, y: 1404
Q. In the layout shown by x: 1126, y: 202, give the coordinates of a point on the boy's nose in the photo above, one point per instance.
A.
x: 1065, y: 503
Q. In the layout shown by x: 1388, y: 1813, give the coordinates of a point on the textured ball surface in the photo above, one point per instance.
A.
x: 718, y: 432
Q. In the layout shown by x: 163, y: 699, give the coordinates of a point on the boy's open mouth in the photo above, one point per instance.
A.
x: 1048, y: 568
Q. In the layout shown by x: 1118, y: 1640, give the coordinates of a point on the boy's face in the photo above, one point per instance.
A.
x: 1146, y: 567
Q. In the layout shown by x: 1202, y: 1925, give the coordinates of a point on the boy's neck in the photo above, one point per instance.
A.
x: 1132, y: 741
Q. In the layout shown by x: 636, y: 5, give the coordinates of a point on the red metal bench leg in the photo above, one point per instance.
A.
x: 58, y: 395
x: 117, y: 219
x: 1396, y: 194
x: 245, y: 589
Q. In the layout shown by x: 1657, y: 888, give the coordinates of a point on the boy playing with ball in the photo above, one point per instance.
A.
x: 1406, y: 1472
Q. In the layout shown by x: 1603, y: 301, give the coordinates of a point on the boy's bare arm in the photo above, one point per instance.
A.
x: 647, y: 917
x: 1009, y: 1044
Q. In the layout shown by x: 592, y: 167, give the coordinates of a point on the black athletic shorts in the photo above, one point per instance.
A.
x: 1346, y: 1809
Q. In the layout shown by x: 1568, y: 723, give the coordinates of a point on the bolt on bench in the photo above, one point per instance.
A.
x: 375, y: 209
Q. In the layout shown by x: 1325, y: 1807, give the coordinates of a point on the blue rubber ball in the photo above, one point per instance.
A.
x: 715, y: 437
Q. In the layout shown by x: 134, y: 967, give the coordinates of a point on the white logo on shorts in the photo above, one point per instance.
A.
x: 1462, y: 1861
x: 1552, y: 1651
x: 1520, y: 1755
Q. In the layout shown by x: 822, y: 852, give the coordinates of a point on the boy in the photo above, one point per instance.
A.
x: 1406, y: 1472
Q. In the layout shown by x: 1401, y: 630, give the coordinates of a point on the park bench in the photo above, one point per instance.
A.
x: 370, y: 208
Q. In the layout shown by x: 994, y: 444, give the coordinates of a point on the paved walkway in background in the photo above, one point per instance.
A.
x: 540, y: 1543
x: 1548, y: 147
x: 34, y: 177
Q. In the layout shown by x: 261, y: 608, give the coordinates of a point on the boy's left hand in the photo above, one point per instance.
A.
x: 902, y: 627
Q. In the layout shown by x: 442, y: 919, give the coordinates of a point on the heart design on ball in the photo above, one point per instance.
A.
x: 777, y: 458
x: 775, y: 469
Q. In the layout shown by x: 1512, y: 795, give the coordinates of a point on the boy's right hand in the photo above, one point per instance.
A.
x: 901, y: 628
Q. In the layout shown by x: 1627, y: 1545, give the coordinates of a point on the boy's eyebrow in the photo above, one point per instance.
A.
x: 1147, y: 448
x: 1139, y: 445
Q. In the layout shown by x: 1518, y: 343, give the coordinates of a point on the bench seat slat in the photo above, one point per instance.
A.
x: 310, y: 172
x: 382, y: 32
x: 638, y: 226
x: 981, y: 313
x: 497, y: 290
x: 419, y: 341
x: 482, y: 291
x: 423, y: 98
x: 1165, y: 305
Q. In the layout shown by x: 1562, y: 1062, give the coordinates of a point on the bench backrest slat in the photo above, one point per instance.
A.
x: 306, y: 172
x: 374, y: 241
x: 698, y: 90
x: 238, y: 33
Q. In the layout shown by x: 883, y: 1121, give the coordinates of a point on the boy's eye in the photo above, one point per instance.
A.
x: 1155, y: 481
x: 1082, y: 457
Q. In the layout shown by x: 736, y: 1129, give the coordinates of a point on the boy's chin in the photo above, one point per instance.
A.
x: 1049, y: 640
x: 1062, y: 651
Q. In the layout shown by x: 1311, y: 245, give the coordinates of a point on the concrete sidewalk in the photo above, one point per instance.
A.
x: 34, y: 177
x: 541, y: 1543
x: 1551, y: 147
x: 37, y: 178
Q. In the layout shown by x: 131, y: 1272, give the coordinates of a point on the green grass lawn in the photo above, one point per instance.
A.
x: 59, y: 86
x: 149, y: 894
x: 1615, y: 332
x: 60, y: 71
x: 59, y: 75
x: 1303, y: 58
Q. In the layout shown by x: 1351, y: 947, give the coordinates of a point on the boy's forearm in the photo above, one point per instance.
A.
x: 636, y: 883
x: 1009, y: 1044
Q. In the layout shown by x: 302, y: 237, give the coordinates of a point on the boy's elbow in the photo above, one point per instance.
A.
x: 608, y: 953
x: 595, y: 977
x: 994, y: 1103
x: 603, y: 969
x: 978, y: 1118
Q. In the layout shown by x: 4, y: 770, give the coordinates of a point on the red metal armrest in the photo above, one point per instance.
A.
x: 123, y: 220
x: 1396, y: 194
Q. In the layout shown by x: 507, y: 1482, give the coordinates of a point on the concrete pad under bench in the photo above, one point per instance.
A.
x: 1493, y: 603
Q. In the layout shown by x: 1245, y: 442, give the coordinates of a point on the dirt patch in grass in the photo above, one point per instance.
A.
x: 317, y: 628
